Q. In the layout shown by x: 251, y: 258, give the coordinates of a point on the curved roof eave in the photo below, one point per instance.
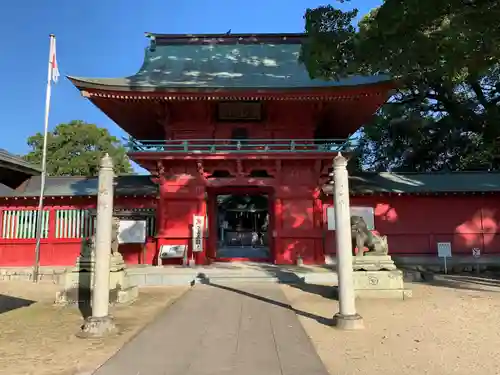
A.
x: 18, y: 163
x: 127, y: 84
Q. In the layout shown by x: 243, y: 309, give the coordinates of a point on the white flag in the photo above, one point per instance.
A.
x: 54, y: 70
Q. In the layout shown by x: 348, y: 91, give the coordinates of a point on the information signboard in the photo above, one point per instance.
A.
x: 367, y: 213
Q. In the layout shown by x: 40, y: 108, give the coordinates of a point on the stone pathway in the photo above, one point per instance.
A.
x: 221, y: 329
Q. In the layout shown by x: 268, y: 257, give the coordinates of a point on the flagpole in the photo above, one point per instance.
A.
x: 36, y: 267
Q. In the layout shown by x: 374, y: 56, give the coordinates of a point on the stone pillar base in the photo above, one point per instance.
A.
x: 348, y: 322
x: 380, y: 284
x: 97, y: 327
x: 77, y: 288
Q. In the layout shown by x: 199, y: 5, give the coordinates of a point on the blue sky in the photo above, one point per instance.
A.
x: 105, y: 38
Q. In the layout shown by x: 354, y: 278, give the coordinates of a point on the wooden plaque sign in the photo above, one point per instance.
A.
x: 239, y: 111
x: 198, y: 227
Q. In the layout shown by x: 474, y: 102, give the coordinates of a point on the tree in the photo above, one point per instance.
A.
x: 444, y: 56
x: 403, y: 137
x: 75, y: 149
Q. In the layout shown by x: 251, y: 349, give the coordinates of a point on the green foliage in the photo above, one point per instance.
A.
x: 444, y: 56
x: 75, y: 149
x: 408, y: 138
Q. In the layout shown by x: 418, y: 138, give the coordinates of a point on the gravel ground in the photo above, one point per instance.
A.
x: 39, y: 339
x: 450, y: 327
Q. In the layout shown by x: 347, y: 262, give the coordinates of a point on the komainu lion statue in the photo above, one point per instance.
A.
x: 362, y: 237
x: 88, y: 247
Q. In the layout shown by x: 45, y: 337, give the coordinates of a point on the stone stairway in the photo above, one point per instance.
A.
x: 147, y: 275
x: 224, y: 273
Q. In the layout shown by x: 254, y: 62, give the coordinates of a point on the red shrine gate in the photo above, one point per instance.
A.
x: 237, y: 115
x: 291, y: 183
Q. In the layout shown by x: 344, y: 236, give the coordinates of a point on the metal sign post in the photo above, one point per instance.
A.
x: 171, y: 252
x: 444, y: 251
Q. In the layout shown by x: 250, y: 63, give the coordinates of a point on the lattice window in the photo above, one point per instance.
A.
x: 79, y: 223
x: 21, y: 224
x: 151, y: 226
x: 74, y: 223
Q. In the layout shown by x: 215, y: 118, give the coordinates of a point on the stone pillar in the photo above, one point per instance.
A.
x: 100, y: 323
x: 346, y: 318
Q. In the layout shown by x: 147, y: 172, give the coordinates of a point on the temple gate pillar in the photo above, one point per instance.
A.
x: 161, y: 212
x: 347, y: 317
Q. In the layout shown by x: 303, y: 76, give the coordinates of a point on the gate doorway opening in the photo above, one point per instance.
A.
x: 243, y: 227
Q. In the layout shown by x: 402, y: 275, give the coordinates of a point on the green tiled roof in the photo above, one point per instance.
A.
x: 415, y: 183
x: 222, y: 61
x: 364, y: 183
x: 84, y: 186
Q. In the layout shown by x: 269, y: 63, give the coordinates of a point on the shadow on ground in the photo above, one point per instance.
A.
x: 83, y: 295
x: 287, y: 276
x: 9, y: 303
x: 80, y: 294
x: 325, y: 291
x: 490, y: 283
x: 320, y: 319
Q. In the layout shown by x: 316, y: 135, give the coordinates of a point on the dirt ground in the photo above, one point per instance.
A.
x: 39, y: 339
x: 451, y: 327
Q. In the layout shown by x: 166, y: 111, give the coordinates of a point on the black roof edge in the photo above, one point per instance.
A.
x: 81, y: 84
x: 228, y: 38
x: 369, y: 173
x: 29, y: 171
x: 14, y: 160
x: 224, y: 35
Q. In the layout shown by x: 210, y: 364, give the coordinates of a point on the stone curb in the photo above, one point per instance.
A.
x: 23, y: 275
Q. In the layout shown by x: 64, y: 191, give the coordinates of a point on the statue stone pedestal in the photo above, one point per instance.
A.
x: 376, y: 276
x: 369, y: 262
x: 77, y: 283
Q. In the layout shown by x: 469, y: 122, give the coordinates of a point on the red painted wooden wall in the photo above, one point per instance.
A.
x: 281, y: 120
x: 64, y: 251
x: 414, y: 224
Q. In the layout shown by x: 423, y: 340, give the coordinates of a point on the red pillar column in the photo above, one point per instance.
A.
x: 52, y: 224
x: 161, y: 214
x: 276, y: 230
x: 161, y: 219
x: 1, y: 222
x: 318, y: 226
x: 48, y: 256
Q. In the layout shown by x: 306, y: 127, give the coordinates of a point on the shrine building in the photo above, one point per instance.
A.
x: 235, y: 131
x: 239, y: 142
